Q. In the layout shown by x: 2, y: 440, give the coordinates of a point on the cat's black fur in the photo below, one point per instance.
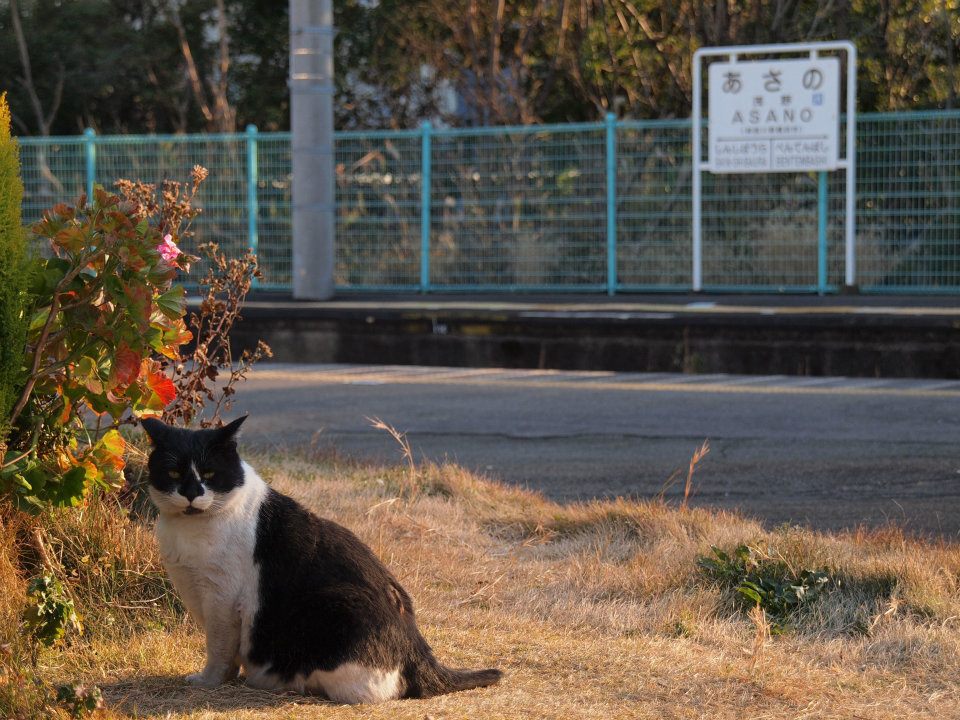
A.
x: 326, y: 599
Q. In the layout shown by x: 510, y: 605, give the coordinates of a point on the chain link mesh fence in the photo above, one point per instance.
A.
x: 529, y: 208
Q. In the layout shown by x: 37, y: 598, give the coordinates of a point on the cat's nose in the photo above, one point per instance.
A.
x: 191, y: 491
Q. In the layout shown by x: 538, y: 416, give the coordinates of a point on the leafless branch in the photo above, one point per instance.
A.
x: 44, y: 120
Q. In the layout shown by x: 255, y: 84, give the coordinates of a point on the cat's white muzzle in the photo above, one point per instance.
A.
x: 176, y: 504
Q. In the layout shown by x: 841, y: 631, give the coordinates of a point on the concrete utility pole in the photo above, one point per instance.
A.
x: 311, y: 120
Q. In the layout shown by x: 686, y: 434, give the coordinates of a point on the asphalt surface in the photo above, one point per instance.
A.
x: 830, y: 453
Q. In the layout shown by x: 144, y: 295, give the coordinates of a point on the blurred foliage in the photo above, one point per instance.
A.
x: 123, y: 66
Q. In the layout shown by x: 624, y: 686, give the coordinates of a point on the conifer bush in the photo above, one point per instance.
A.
x: 12, y: 277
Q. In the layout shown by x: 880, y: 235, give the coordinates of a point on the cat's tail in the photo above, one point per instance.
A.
x: 429, y: 677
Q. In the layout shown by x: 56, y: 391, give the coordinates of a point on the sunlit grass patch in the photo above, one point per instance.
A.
x: 593, y: 610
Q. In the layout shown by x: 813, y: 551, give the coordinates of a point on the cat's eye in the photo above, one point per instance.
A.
x: 208, y: 475
x: 174, y: 474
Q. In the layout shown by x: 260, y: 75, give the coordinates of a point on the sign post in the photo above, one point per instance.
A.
x: 776, y: 115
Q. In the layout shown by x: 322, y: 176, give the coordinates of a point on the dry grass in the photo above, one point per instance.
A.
x: 593, y: 610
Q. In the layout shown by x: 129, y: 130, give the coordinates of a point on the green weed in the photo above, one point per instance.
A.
x: 760, y: 579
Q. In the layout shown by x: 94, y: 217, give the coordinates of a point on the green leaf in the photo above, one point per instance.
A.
x: 30, y: 503
x: 44, y: 274
x: 38, y: 319
x: 88, y: 373
x: 721, y: 555
x: 154, y: 337
x: 73, y: 483
x: 171, y: 303
x: 37, y: 477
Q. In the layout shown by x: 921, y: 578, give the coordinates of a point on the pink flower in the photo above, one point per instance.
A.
x: 168, y: 248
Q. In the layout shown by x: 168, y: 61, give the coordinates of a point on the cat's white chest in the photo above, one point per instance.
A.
x: 214, y: 546
x: 210, y: 560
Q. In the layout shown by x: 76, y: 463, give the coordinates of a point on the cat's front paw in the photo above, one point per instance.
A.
x: 203, y: 680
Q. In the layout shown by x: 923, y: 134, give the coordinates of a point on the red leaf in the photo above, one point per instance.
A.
x: 139, y: 303
x: 162, y: 386
x: 126, y: 366
x: 62, y: 210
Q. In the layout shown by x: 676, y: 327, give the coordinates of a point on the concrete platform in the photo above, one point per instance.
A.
x: 846, y: 335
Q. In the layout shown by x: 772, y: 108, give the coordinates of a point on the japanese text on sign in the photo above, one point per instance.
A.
x: 774, y: 115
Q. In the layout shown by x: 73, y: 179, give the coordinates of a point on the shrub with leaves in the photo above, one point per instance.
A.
x: 106, y: 314
x: 759, y: 578
x: 205, y: 383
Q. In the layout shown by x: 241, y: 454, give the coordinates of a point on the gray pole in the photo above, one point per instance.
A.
x: 311, y: 122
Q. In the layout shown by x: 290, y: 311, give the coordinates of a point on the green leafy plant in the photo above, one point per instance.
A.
x: 80, y: 700
x: 51, y: 612
x: 105, y: 317
x: 763, y: 580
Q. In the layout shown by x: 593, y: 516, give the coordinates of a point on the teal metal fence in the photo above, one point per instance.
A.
x: 592, y: 207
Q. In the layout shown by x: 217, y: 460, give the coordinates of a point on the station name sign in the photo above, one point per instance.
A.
x: 774, y: 115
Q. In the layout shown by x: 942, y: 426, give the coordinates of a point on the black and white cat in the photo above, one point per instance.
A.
x: 297, y: 601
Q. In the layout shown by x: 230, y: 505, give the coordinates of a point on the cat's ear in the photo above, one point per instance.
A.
x: 229, y: 431
x: 156, y: 430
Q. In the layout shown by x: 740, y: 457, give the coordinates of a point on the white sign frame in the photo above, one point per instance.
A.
x: 848, y: 162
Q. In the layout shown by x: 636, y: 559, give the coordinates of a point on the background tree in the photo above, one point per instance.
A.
x: 131, y: 65
x: 177, y: 66
x: 505, y: 61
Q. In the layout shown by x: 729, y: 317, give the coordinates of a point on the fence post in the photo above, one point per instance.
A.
x: 90, y: 154
x: 425, y: 166
x: 253, y: 211
x: 610, y: 127
x: 822, y: 209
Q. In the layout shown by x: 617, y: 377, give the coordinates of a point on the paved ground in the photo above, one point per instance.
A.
x: 764, y: 303
x: 828, y: 452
